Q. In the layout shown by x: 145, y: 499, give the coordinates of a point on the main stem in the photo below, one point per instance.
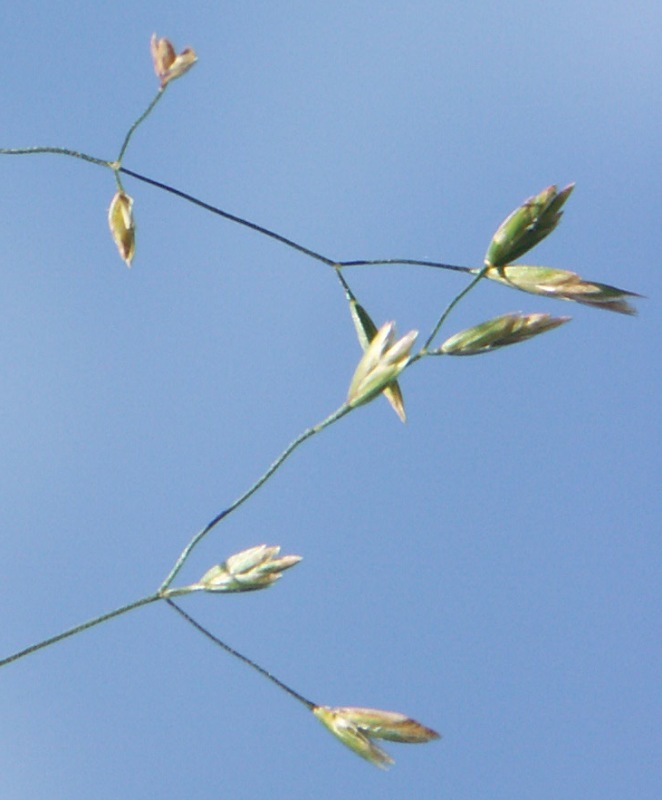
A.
x: 308, y: 433
x: 300, y: 439
x: 79, y: 628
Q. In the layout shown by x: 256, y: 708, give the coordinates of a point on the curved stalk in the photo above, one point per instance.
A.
x: 60, y: 151
x: 275, y: 465
x: 80, y: 628
x: 331, y: 262
x: 478, y: 276
x: 117, y: 168
x: 140, y: 119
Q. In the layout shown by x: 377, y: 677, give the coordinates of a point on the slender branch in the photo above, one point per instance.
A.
x: 331, y: 262
x: 240, y: 656
x: 115, y: 165
x: 478, y: 276
x: 414, y: 261
x: 300, y: 439
x: 140, y: 119
x: 239, y: 220
x: 61, y: 151
x: 79, y: 628
x: 349, y: 294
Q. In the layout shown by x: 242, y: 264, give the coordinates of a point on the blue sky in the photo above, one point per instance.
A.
x: 491, y: 568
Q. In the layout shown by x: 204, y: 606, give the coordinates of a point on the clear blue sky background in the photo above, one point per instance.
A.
x: 493, y: 567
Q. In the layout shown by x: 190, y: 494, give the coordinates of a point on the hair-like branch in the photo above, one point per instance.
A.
x: 308, y: 703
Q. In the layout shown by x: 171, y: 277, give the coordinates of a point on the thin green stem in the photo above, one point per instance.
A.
x: 79, y: 628
x: 331, y: 262
x: 231, y: 217
x: 477, y: 278
x: 61, y: 151
x: 413, y: 261
x: 349, y: 294
x: 310, y: 705
x: 300, y: 439
x: 116, y: 166
x: 140, y: 119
